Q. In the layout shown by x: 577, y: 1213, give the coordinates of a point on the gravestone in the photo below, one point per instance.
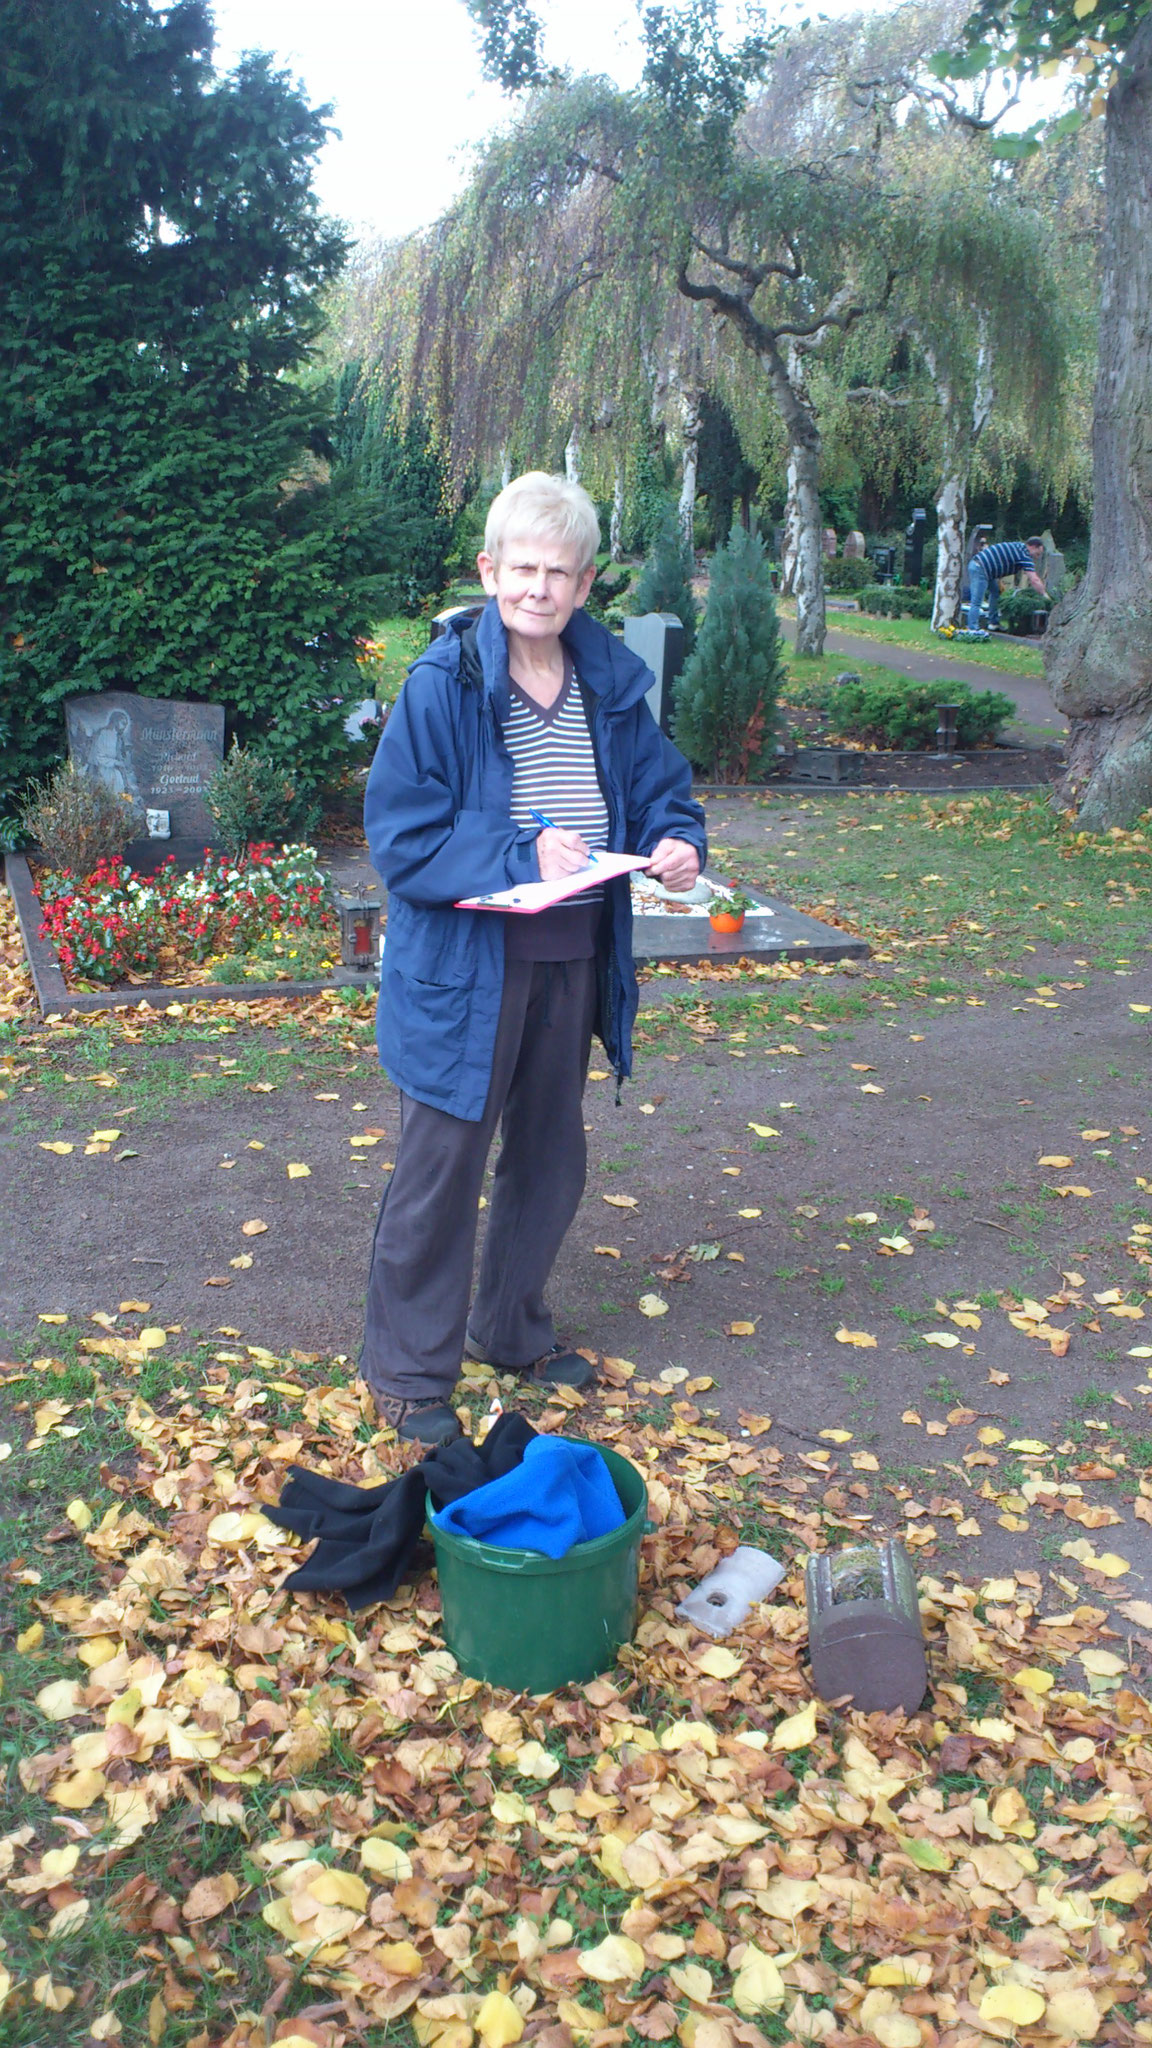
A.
x: 914, y: 549
x: 658, y: 638
x: 828, y: 541
x: 854, y: 546
x: 162, y: 752
x: 1053, y: 569
x: 884, y: 561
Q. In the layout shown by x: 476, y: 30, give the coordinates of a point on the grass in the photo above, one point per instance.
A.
x: 1011, y: 657
x: 962, y: 881
x: 398, y: 641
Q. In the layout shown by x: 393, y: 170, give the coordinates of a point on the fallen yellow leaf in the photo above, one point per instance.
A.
x: 860, y: 1338
x: 1017, y: 2003
x: 616, y: 1960
x: 385, y: 1859
x: 797, y: 1731
x: 499, y: 2023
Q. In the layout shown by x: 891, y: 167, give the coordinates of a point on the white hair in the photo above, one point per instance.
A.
x: 537, y: 503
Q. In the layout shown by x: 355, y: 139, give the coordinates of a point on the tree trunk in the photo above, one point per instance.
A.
x: 808, y: 582
x: 572, y: 456
x: 960, y: 438
x: 690, y: 405
x: 803, y: 534
x: 616, y: 524
x: 505, y: 469
x: 952, y: 523
x: 1098, y: 647
x: 790, y: 537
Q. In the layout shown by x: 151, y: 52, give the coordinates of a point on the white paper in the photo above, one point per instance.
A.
x: 530, y: 897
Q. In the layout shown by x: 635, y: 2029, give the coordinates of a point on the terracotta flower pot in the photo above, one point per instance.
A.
x: 726, y: 920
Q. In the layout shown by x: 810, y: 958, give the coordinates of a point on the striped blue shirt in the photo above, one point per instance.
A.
x: 554, y: 771
x: 1003, y: 558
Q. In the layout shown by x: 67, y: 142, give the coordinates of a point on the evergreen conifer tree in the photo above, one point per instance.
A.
x: 398, y: 463
x: 663, y: 584
x: 726, y: 694
x: 169, y: 521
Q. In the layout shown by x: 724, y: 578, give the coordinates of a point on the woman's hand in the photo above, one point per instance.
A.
x: 561, y: 853
x: 675, y: 864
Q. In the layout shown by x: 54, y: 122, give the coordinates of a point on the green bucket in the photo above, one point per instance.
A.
x: 531, y: 1623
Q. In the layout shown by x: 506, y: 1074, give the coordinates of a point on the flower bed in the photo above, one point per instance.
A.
x: 217, y: 921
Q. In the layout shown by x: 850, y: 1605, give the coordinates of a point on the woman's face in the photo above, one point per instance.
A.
x: 537, y: 583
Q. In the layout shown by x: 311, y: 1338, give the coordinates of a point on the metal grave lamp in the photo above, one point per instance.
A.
x: 946, y: 717
x: 359, y: 930
x: 864, y: 1631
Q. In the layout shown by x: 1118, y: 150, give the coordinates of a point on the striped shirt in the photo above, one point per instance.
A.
x: 554, y: 772
x: 1003, y: 558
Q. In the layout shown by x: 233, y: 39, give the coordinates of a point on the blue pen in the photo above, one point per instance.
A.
x: 550, y: 825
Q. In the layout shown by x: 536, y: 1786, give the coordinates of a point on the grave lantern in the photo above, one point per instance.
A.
x: 864, y: 1630
x: 946, y: 717
x: 359, y: 932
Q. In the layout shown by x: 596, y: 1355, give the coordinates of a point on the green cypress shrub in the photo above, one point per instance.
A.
x: 726, y: 694
x: 663, y: 584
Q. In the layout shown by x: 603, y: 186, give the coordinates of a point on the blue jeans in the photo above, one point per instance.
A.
x: 978, y: 582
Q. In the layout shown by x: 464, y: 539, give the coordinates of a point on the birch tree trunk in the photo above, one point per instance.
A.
x: 808, y: 581
x: 690, y: 407
x: 505, y: 469
x: 960, y: 436
x: 952, y: 525
x: 790, y: 538
x: 1098, y: 647
x: 804, y: 534
x: 616, y: 523
x: 572, y: 456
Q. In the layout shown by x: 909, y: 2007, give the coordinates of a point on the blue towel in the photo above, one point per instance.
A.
x: 559, y: 1495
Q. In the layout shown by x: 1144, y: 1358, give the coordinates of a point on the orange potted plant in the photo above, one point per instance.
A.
x: 726, y: 913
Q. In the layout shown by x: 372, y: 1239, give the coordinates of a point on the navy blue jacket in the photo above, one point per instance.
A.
x: 436, y: 814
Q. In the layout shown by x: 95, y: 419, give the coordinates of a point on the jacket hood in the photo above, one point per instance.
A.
x: 611, y: 670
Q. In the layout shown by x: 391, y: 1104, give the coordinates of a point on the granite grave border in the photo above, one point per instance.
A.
x: 54, y: 995
x: 795, y: 936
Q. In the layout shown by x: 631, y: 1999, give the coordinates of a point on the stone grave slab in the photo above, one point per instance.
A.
x: 666, y: 927
x: 658, y: 638
x: 160, y: 751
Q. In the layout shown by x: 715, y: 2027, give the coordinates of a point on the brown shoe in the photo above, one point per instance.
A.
x: 429, y: 1421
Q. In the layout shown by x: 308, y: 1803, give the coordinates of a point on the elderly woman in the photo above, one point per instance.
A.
x: 520, y: 743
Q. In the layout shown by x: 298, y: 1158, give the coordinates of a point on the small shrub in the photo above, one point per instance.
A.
x: 251, y: 797
x: 608, y: 590
x: 903, y: 715
x: 663, y: 584
x: 846, y: 575
x: 896, y: 601
x: 77, y: 821
x: 726, y: 694
x: 1017, y: 607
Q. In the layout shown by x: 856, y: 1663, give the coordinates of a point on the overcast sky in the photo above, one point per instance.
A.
x: 404, y: 81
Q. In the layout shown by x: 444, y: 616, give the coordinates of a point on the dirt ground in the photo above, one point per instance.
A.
x: 935, y: 1116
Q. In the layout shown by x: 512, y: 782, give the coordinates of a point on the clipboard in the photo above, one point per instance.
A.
x: 529, y: 898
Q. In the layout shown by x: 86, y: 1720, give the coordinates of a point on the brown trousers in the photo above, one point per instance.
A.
x: 422, y: 1254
